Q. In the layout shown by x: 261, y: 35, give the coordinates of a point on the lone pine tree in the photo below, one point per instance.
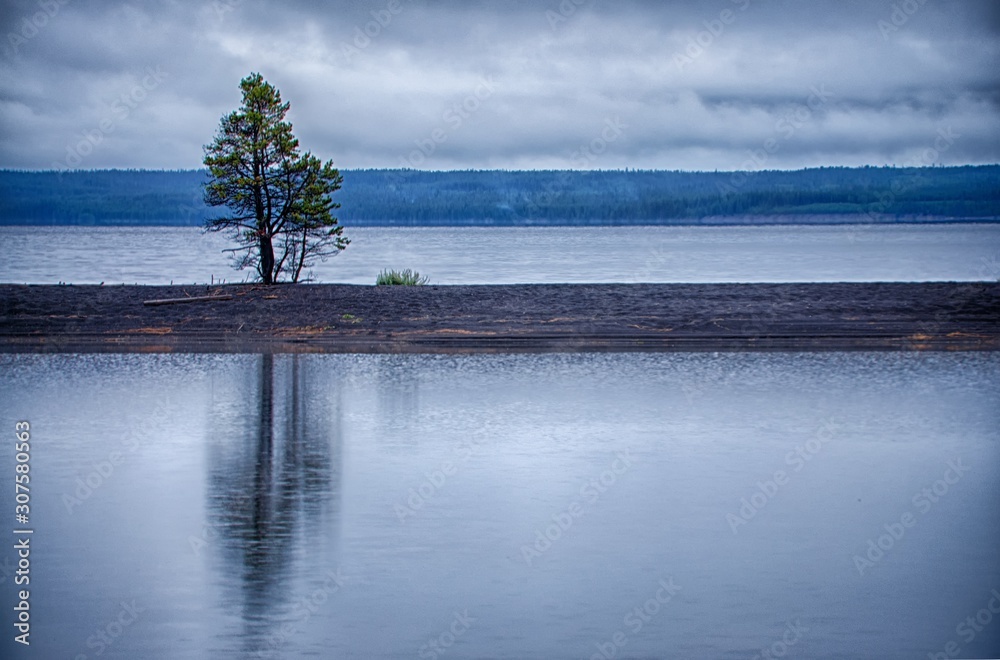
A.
x: 278, y: 198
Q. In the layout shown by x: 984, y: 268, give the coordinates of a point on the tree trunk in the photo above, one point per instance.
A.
x: 302, y: 257
x: 266, y: 259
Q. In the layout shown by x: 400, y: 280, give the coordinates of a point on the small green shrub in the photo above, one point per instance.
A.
x: 400, y: 278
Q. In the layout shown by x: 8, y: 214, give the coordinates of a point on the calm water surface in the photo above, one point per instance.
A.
x: 160, y: 255
x: 508, y: 506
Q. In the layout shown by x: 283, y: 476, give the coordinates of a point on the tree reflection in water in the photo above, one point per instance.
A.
x: 274, y: 490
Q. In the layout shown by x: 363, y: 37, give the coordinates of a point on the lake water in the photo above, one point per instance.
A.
x: 521, y: 506
x: 160, y: 255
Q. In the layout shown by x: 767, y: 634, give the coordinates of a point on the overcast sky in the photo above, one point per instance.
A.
x: 603, y: 84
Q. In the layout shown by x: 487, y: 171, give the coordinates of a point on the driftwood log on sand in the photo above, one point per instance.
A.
x: 181, y: 301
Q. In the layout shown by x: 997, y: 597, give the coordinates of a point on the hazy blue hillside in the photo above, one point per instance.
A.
x: 410, y: 197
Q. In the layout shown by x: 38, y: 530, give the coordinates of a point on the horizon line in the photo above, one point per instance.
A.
x: 626, y: 170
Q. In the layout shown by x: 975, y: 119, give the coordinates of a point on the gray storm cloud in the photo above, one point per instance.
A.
x: 726, y: 85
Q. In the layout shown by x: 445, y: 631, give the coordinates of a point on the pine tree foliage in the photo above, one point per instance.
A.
x: 277, y: 197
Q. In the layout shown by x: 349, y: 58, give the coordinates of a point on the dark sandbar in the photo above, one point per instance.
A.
x: 559, y: 317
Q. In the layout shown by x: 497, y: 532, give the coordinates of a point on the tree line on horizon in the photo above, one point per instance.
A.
x: 509, y: 198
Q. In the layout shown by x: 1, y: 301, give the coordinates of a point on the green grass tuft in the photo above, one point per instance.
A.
x: 400, y: 278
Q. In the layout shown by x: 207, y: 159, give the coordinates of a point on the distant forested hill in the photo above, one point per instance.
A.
x: 409, y: 197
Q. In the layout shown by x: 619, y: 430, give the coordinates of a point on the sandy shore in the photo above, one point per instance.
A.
x: 562, y: 317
